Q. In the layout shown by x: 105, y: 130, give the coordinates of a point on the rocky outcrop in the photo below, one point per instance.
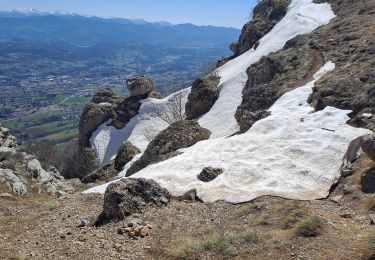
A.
x: 202, y: 97
x: 209, y: 174
x: 125, y: 154
x: 15, y: 184
x: 274, y: 75
x: 265, y: 16
x: 348, y: 41
x: 129, y: 196
x: 6, y: 139
x: 105, y: 173
x: 368, y: 146
x: 181, y: 134
x: 344, y: 41
x: 106, y: 106
x: 21, y: 173
x: 368, y: 181
x: 139, y: 86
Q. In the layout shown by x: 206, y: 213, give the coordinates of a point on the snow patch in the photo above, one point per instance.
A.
x: 302, y: 17
x: 294, y: 153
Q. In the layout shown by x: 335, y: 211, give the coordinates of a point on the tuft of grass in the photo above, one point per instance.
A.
x: 368, y: 204
x: 290, y: 214
x: 223, y: 245
x: 52, y: 205
x: 370, y: 247
x: 263, y: 219
x: 308, y: 227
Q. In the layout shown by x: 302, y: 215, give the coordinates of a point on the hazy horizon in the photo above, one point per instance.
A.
x: 221, y: 13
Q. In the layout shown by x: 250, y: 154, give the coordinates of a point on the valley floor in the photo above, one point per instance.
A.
x: 268, y: 228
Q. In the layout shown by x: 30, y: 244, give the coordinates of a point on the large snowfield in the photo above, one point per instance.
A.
x: 294, y: 153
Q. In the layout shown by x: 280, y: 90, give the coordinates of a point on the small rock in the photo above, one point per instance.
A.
x: 81, y: 223
x: 6, y: 195
x: 336, y: 199
x: 347, y: 171
x: 372, y: 219
x: 345, y: 215
x: 120, y: 231
x: 149, y: 226
x: 144, y: 231
x: 118, y: 247
x: 209, y: 174
x: 130, y: 224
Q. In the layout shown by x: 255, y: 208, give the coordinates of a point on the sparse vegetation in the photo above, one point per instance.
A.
x: 370, y: 247
x: 220, y: 245
x: 308, y: 227
x: 289, y: 213
x: 175, y: 109
x: 368, y: 204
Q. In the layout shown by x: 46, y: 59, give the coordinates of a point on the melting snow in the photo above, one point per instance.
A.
x: 294, y: 153
x: 303, y: 17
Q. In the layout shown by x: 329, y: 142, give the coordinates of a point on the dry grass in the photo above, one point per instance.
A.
x: 223, y: 245
x: 263, y: 219
x: 368, y: 204
x: 287, y: 214
x: 308, y: 227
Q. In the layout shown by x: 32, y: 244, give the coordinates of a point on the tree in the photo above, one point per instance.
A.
x: 174, y: 110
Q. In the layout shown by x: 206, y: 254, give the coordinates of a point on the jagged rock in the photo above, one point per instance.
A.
x: 265, y: 16
x: 105, y: 95
x: 104, y: 173
x: 126, y: 110
x: 368, y: 181
x: 139, y: 86
x: 202, y: 97
x: 181, y: 134
x: 246, y: 118
x: 93, y: 115
x: 6, y: 139
x: 274, y: 75
x: 129, y: 196
x: 209, y: 174
x: 37, y: 172
x: 125, y: 154
x: 368, y: 146
x: 16, y: 184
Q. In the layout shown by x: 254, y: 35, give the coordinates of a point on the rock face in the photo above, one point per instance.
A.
x: 129, y: 196
x: 275, y: 75
x: 209, y: 174
x: 202, y: 97
x: 6, y: 139
x: 181, y: 134
x: 104, y: 173
x: 16, y: 184
x: 265, y: 16
x: 20, y: 171
x: 344, y: 41
x: 106, y: 106
x: 125, y: 154
x: 139, y: 86
x: 368, y: 181
x: 368, y: 146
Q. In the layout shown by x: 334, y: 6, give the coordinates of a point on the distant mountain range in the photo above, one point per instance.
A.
x: 69, y: 27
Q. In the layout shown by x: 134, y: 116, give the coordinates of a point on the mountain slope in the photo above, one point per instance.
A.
x: 294, y: 136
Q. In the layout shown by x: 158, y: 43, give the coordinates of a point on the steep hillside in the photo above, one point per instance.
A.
x: 289, y: 128
x: 274, y: 157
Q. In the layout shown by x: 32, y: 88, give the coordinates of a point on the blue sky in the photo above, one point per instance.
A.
x: 203, y: 12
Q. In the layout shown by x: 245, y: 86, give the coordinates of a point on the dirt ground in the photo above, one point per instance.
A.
x: 338, y: 227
